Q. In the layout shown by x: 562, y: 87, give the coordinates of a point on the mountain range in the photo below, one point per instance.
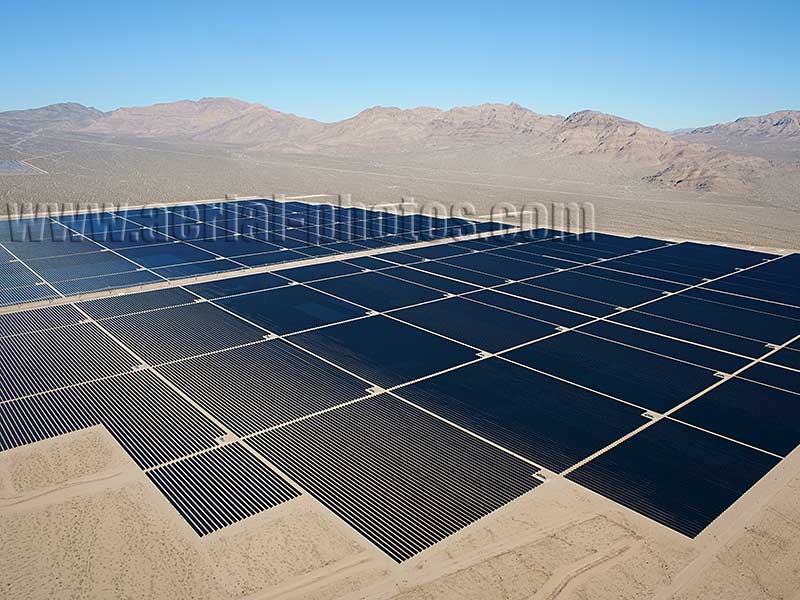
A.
x: 726, y: 157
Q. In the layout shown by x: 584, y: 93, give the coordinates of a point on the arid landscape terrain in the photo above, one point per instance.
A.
x: 736, y: 183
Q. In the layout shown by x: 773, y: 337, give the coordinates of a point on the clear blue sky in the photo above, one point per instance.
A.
x: 669, y: 65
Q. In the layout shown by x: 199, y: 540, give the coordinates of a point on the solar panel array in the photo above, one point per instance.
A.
x: 83, y: 253
x: 415, y: 391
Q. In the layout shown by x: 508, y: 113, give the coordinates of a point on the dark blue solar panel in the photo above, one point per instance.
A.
x: 15, y: 274
x: 369, y: 262
x: 438, y: 251
x: 726, y: 258
x: 384, y: 351
x: 478, y: 325
x: 401, y: 258
x: 237, y: 285
x: 316, y: 251
x: 550, y: 422
x: 105, y: 282
x: 499, y: 266
x: 623, y: 277
x: 38, y: 319
x: 233, y: 247
x: 376, y: 291
x: 596, y: 288
x: 557, y: 299
x: 638, y: 265
x: 693, y: 333
x: 287, y: 309
x: 639, y: 377
x: 354, y: 458
x: 220, y: 487
x: 81, y: 265
x: 20, y: 295
x: 705, y: 357
x: 196, y: 269
x: 787, y: 379
x: 180, y: 332
x: 676, y: 475
x: 788, y: 357
x: 770, y: 291
x: 550, y: 314
x: 538, y: 259
x: 135, y: 238
x: 558, y: 250
x: 614, y: 243
x: 50, y: 247
x: 743, y: 322
x: 259, y: 386
x: 772, y: 308
x: 429, y: 280
x: 748, y: 412
x: 164, y: 255
x: 37, y: 362
x: 114, y: 306
x: 270, y: 258
x: 466, y: 275
x: 783, y: 270
x: 319, y: 271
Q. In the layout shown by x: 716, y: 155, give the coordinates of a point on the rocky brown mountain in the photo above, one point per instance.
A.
x: 673, y: 160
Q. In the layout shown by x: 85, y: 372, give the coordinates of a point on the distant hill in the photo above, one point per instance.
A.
x: 674, y: 160
x: 65, y: 116
x: 775, y: 136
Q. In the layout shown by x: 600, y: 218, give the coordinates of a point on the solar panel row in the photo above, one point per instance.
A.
x: 217, y: 488
x: 90, y: 252
x: 403, y: 479
x: 152, y: 422
x: 554, y: 396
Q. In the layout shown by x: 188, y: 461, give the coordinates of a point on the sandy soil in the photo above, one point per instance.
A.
x: 79, y: 520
